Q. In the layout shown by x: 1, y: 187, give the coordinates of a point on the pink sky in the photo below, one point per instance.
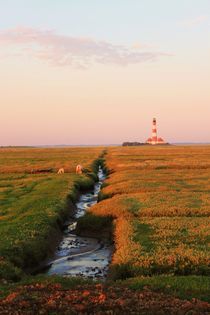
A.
x: 68, y: 89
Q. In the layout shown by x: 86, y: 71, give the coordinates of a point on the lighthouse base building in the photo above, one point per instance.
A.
x: 154, y: 139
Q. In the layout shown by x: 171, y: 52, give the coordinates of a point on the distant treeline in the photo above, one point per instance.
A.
x: 129, y: 144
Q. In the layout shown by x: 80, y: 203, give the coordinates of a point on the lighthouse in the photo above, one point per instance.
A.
x: 154, y: 139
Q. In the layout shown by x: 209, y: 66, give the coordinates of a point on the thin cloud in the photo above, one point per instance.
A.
x: 194, y: 21
x: 80, y: 52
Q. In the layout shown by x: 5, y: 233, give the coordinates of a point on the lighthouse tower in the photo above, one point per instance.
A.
x: 154, y: 139
x: 154, y: 131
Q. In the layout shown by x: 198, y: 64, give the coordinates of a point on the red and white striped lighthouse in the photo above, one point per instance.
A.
x: 154, y: 139
x: 154, y: 131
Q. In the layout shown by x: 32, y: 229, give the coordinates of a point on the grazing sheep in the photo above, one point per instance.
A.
x: 79, y: 169
x: 60, y: 171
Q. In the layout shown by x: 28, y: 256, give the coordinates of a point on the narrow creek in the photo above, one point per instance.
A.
x: 82, y: 256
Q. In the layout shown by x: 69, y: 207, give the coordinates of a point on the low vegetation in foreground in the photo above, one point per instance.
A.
x: 76, y: 296
x: 158, y: 199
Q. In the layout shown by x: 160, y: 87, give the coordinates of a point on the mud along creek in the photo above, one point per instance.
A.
x: 82, y: 256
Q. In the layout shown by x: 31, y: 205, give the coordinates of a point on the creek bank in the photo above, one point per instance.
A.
x: 85, y: 249
x: 65, y: 216
x: 94, y: 226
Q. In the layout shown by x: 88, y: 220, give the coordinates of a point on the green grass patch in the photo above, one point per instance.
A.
x: 33, y: 207
x: 142, y: 234
x: 133, y: 205
x: 96, y: 225
x: 185, y: 287
x: 29, y: 223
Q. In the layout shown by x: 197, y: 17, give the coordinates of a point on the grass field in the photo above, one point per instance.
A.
x: 158, y: 198
x: 32, y: 206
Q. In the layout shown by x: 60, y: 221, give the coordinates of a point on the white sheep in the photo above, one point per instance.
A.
x: 79, y: 169
x: 60, y: 171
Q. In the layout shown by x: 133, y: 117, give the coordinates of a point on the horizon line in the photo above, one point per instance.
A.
x: 88, y: 145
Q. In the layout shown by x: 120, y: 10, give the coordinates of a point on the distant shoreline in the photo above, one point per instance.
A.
x: 95, y: 145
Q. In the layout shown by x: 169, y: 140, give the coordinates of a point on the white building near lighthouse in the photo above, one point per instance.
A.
x: 154, y: 139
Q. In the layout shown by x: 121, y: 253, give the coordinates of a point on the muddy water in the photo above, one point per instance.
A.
x: 82, y: 256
